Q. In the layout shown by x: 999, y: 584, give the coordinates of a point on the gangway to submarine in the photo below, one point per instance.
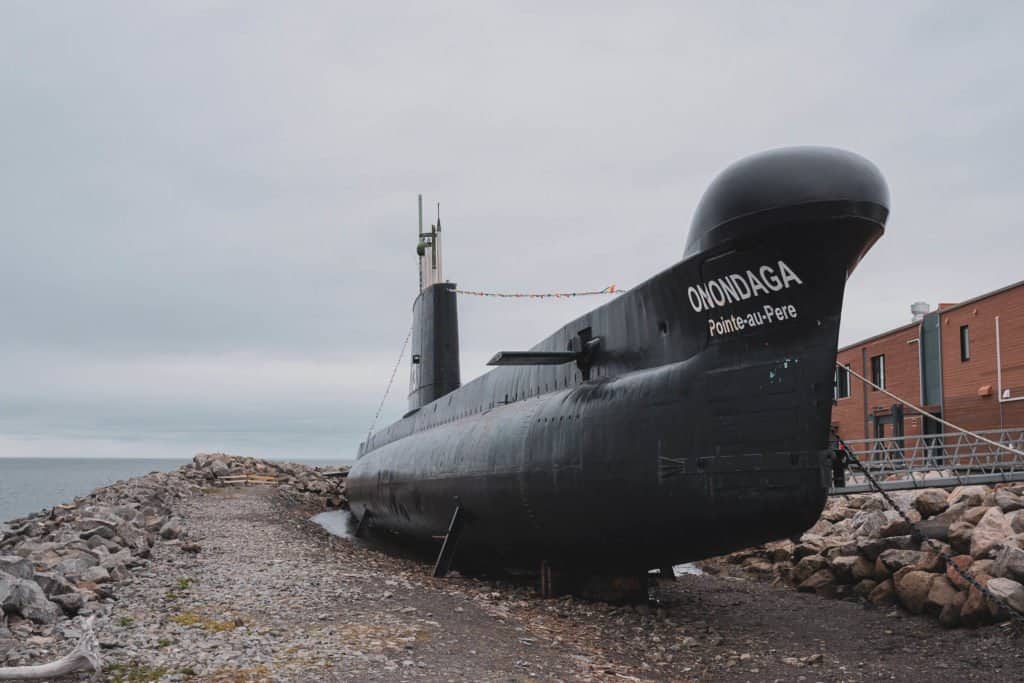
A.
x: 958, y: 457
x: 936, y: 460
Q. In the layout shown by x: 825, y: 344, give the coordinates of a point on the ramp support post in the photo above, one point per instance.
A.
x: 364, y: 524
x: 545, y: 580
x: 451, y: 540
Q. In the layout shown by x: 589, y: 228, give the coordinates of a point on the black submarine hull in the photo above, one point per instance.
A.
x: 699, y: 423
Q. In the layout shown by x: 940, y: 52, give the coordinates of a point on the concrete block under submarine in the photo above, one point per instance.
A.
x: 685, y: 418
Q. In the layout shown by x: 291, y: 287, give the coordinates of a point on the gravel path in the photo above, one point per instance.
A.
x: 272, y: 596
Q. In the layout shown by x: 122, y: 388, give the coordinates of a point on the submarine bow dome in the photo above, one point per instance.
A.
x: 758, y: 188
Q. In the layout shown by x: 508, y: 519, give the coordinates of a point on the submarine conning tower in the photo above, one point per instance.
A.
x: 435, y: 324
x: 778, y: 185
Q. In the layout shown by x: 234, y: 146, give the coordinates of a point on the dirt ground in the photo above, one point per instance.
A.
x: 310, y: 606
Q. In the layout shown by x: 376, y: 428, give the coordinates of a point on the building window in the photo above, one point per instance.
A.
x: 965, y: 343
x: 878, y: 372
x: 842, y: 383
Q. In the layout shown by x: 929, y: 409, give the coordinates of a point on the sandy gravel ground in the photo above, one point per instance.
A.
x: 271, y: 596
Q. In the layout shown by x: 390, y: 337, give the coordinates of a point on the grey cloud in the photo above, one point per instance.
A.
x: 232, y: 186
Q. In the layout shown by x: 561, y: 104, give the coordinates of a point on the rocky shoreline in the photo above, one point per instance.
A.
x: 59, y: 566
x: 860, y: 550
x: 210, y: 583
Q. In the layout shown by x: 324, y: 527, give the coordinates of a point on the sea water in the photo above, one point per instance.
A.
x: 32, y: 484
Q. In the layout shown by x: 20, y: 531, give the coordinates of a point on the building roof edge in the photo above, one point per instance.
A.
x: 968, y: 302
x: 878, y: 336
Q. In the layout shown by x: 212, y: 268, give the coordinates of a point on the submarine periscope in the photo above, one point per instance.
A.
x: 686, y: 417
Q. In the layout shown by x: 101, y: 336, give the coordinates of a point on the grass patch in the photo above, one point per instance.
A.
x: 164, y: 642
x: 125, y: 622
x: 181, y: 585
x: 213, y: 490
x: 135, y: 673
x: 193, y: 619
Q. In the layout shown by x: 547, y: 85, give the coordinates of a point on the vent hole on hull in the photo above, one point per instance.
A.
x: 663, y: 327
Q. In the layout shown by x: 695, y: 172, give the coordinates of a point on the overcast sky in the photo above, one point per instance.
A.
x: 208, y: 210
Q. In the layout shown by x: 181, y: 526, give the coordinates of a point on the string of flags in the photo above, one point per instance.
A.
x: 610, y: 289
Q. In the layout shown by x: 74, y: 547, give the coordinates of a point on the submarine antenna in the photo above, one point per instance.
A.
x: 420, y: 246
x: 437, y: 244
x: 430, y: 271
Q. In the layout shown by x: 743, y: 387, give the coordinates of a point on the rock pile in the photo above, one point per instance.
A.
x: 65, y: 561
x: 68, y: 560
x: 858, y: 549
x: 323, y: 486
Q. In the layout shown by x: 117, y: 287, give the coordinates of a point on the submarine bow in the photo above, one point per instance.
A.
x: 685, y: 418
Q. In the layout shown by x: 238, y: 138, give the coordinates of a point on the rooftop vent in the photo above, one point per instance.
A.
x: 918, y: 310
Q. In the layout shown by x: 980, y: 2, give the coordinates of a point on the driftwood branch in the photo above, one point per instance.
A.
x: 85, y: 657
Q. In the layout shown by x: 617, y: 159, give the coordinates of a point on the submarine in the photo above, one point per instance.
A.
x: 685, y: 418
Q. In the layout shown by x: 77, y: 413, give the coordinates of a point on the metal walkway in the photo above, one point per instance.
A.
x: 936, y: 460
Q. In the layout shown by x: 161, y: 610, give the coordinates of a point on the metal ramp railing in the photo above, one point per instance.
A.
x: 937, y: 460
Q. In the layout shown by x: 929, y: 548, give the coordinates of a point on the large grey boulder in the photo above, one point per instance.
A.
x: 135, y: 538
x: 959, y: 536
x: 851, y: 568
x: 895, y: 559
x: 808, y: 566
x: 7, y: 641
x: 172, y: 529
x: 972, y: 495
x: 118, y: 559
x: 1016, y: 519
x: 39, y: 553
x: 992, y: 530
x: 894, y: 525
x: 15, y: 565
x: 871, y: 548
x: 26, y: 598
x: 53, y: 583
x: 76, y: 563
x: 1009, y: 590
x: 1008, y: 501
x: 868, y: 523
x: 96, y: 575
x: 1009, y: 563
x: 71, y: 603
x: 930, y: 502
x: 102, y: 530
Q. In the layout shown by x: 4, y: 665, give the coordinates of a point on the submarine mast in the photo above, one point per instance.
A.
x: 435, y: 368
x: 429, y: 251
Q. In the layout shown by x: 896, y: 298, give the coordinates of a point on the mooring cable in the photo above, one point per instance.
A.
x: 387, y: 390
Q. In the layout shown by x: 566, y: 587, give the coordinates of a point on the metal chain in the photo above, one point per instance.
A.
x: 921, y: 539
x: 387, y: 391
x: 610, y: 289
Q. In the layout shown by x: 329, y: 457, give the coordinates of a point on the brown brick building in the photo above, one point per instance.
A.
x: 970, y: 357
